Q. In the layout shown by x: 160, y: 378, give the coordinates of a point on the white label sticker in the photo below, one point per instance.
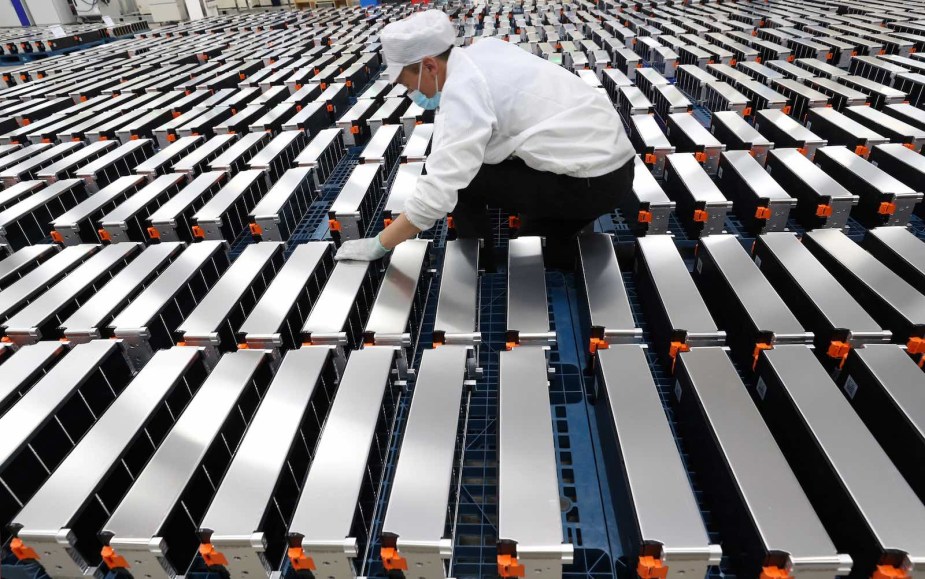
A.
x: 713, y: 130
x: 757, y: 261
x: 762, y: 388
x: 677, y: 390
x: 851, y: 387
x: 107, y: 20
x: 57, y: 31
x: 809, y: 124
x: 874, y: 163
x: 699, y: 265
x: 768, y: 169
x: 719, y: 173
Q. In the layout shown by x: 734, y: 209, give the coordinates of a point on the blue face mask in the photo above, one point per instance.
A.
x: 425, y: 102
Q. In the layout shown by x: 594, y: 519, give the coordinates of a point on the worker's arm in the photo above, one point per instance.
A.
x: 462, y: 130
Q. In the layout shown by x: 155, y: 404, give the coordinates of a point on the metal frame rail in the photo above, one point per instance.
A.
x: 127, y: 221
x: 608, y: 305
x: 173, y: 220
x: 79, y: 225
x: 527, y: 307
x: 26, y: 222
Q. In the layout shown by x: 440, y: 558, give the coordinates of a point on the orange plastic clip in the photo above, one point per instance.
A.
x: 786, y: 110
x: 510, y: 346
x: 300, y: 561
x: 791, y: 58
x: 675, y: 349
x: 861, y: 151
x: 650, y: 159
x: 830, y: 56
x: 886, y: 208
x: 198, y: 232
x: 450, y: 223
x: 700, y: 215
x: 355, y: 130
x: 334, y: 224
x: 910, y: 146
x: 839, y: 351
x: 598, y: 344
x: 747, y: 112
x: 104, y: 235
x: 645, y: 216
x: 889, y: 572
x: 153, y: 233
x: 112, y: 559
x: 56, y: 237
x: 211, y: 556
x: 823, y: 210
x: 763, y: 213
x: 171, y: 137
x: 509, y: 567
x: 26, y: 122
x: 701, y: 157
x: 386, y: 221
x: 651, y: 568
x: 916, y: 346
x: 513, y: 221
x: 757, y: 353
x: 392, y: 561
x: 22, y: 551
x: 256, y: 229
x: 774, y: 572
x: 330, y: 108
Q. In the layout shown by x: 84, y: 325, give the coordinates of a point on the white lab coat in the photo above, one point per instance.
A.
x: 499, y: 101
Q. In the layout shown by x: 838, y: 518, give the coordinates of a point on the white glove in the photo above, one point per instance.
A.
x: 367, y: 249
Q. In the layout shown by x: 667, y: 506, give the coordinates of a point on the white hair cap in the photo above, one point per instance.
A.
x: 408, y: 41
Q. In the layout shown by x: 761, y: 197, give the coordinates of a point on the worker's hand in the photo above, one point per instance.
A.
x: 368, y: 249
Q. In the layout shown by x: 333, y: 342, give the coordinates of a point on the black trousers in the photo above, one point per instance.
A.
x: 553, y: 206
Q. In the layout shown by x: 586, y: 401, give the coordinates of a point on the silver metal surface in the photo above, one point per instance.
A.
x: 46, y: 518
x: 135, y: 526
x: 421, y: 488
x: 201, y: 326
x: 778, y: 507
x: 528, y: 487
x: 403, y: 187
x: 456, y: 320
x: 325, y: 324
x: 651, y: 198
x: 207, y: 149
x: 388, y: 319
x: 318, y: 145
x: 165, y: 156
x: 767, y: 311
x: 24, y: 326
x: 765, y: 190
x: 165, y: 220
x: 266, y: 214
x: 36, y: 407
x: 117, y: 223
x: 900, y: 379
x: 262, y: 327
x: 881, y: 280
x: 23, y: 259
x: 821, y: 289
x: 346, y: 209
x: 74, y: 160
x: 326, y: 510
x: 377, y: 150
x: 900, y: 242
x: 68, y: 224
x: 209, y: 217
x: 665, y: 510
x: 677, y: 294
x: 85, y: 323
x: 89, y: 172
x: 418, y: 143
x: 37, y: 280
x: 890, y: 509
x: 226, y: 161
x: 26, y: 364
x: 26, y: 208
x: 527, y: 308
x: 611, y: 316
x: 233, y: 521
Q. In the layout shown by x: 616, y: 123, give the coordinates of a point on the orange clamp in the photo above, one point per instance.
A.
x: 757, y: 353
x: 355, y: 130
x: 830, y: 55
x: 450, y: 223
x: 153, y: 233
x: 861, y: 151
x: 700, y: 215
x: 774, y: 572
x: 747, y: 112
x: 509, y: 567
x: 112, y: 559
x: 823, y: 210
x: 675, y: 349
x: 651, y: 568
x: 386, y: 221
x: 763, y: 213
x: 732, y: 62
x: 791, y: 58
x: 104, y: 235
x: 21, y: 551
x: 701, y: 157
x: 839, y: 351
x: 886, y: 208
x: 330, y: 108
x: 256, y: 229
x: 334, y: 224
x: 916, y: 346
x: 392, y: 561
x: 910, y: 146
x: 198, y: 232
x: 171, y: 137
x: 889, y: 572
x: 56, y: 237
x: 26, y: 122
x: 598, y: 344
x: 513, y: 221
x: 645, y: 216
x: 300, y: 561
x: 211, y: 556
x: 650, y: 159
x: 508, y: 346
x: 786, y: 110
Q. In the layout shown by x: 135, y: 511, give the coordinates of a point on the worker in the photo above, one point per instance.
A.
x: 512, y: 131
